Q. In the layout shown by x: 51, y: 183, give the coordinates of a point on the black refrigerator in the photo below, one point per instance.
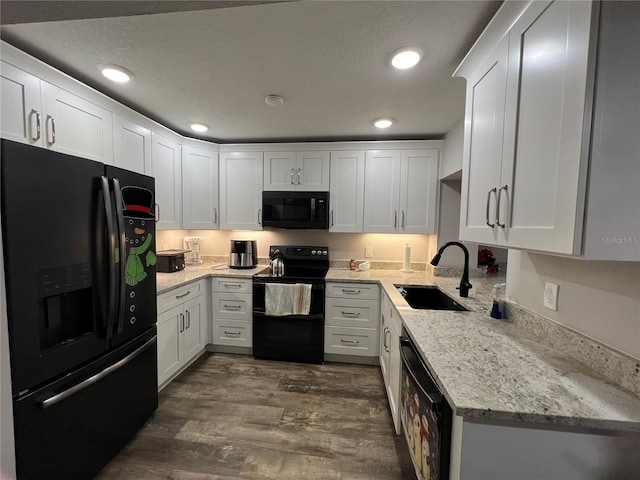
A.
x: 79, y: 251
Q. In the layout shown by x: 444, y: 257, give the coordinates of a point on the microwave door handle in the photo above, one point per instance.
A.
x: 123, y: 250
x: 113, y: 274
x: 313, y: 209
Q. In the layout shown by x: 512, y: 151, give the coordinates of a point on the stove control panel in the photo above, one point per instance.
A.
x: 305, y: 252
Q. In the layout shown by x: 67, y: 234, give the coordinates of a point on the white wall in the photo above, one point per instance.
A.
x: 344, y: 246
x: 449, y: 203
x: 598, y: 299
x: 453, y: 147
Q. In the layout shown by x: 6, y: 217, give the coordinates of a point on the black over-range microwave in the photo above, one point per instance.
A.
x: 295, y: 210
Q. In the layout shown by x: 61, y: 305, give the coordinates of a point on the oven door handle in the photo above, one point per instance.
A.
x: 434, y: 404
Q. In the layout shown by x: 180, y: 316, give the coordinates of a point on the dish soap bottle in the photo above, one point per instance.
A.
x: 497, y: 309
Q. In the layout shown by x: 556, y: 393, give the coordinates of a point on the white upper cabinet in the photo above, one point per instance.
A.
x: 199, y: 188
x: 544, y: 118
x: 38, y: 113
x: 536, y: 90
x: 21, y: 106
x: 301, y: 171
x: 484, y: 128
x: 241, y: 179
x: 166, y: 168
x: 131, y: 146
x: 418, y: 191
x: 346, y: 195
x: 401, y: 191
x: 382, y: 191
x: 75, y: 126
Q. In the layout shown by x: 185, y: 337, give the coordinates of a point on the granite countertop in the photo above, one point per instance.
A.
x: 169, y: 281
x: 488, y: 369
x: 491, y: 369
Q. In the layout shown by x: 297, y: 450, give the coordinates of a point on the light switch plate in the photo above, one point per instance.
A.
x: 368, y: 251
x: 551, y: 296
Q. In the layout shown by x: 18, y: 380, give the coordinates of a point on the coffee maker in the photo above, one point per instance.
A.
x: 193, y: 256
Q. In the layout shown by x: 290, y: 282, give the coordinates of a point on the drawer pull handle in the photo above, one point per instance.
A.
x: 232, y: 334
x: 350, y: 314
x: 349, y: 291
x: 232, y: 285
x: 349, y: 342
x: 184, y: 294
x: 232, y: 307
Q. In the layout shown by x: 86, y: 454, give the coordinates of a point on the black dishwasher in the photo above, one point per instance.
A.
x: 425, y: 415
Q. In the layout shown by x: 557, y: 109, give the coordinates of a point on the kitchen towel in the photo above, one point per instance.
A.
x: 282, y: 299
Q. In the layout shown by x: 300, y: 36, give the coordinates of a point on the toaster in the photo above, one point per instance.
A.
x: 170, y: 261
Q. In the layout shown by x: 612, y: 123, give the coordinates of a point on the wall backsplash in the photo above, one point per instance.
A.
x: 386, y: 247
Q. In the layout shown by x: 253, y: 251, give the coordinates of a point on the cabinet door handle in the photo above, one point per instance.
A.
x: 232, y: 334
x: 486, y: 212
x: 350, y: 291
x: 215, y: 215
x: 157, y: 212
x: 181, y: 323
x: 504, y: 187
x: 299, y: 172
x: 350, y: 314
x: 259, y: 216
x: 38, y: 125
x: 332, y: 217
x: 388, y: 332
x: 232, y: 307
x: 403, y: 220
x: 188, y: 320
x: 349, y: 342
x: 384, y: 339
x: 395, y: 219
x: 291, y: 175
x: 183, y: 295
x: 51, y: 121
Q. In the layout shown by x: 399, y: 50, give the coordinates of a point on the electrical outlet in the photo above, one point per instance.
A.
x: 368, y: 251
x: 164, y: 246
x: 551, y: 296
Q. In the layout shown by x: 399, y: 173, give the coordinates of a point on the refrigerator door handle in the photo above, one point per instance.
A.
x: 123, y: 250
x: 57, y: 398
x: 111, y: 232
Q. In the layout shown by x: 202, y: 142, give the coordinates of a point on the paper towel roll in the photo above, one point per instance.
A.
x: 406, y: 261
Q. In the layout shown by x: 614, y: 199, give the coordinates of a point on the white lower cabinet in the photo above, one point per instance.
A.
x: 232, y: 305
x: 351, y: 313
x: 182, y: 329
x: 390, y: 362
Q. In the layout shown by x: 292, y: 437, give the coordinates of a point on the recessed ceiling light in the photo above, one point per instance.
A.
x: 116, y: 73
x: 273, y: 100
x: 199, y: 127
x: 383, y: 122
x: 406, y: 57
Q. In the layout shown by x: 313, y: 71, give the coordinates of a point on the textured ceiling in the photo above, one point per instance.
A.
x: 328, y: 59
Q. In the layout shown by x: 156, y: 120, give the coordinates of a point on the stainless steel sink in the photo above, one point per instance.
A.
x: 426, y: 297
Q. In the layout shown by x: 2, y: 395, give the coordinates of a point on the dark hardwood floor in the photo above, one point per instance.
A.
x: 231, y: 417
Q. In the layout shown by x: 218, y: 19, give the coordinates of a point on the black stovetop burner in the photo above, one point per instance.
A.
x: 302, y: 263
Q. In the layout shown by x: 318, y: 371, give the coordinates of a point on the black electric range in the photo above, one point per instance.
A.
x: 292, y: 337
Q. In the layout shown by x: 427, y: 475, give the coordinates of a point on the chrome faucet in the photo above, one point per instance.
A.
x: 465, y: 286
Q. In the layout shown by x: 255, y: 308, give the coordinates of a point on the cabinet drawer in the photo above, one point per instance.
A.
x: 180, y: 295
x: 351, y: 341
x: 231, y: 306
x: 233, y: 333
x: 345, y: 312
x: 230, y: 284
x: 367, y: 291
